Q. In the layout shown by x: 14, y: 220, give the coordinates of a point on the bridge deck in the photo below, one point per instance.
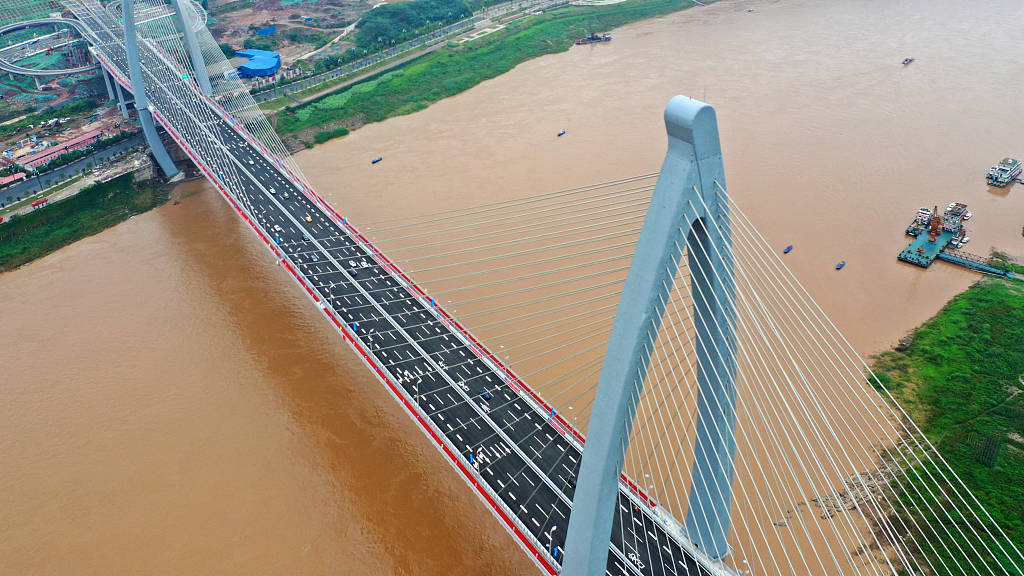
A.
x: 524, y: 460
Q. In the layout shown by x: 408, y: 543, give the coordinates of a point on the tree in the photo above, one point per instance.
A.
x: 228, y: 51
x: 402, y: 21
x: 999, y: 259
x: 264, y: 43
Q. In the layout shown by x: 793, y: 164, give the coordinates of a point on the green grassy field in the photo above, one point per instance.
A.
x: 27, y: 237
x: 451, y: 70
x: 960, y: 379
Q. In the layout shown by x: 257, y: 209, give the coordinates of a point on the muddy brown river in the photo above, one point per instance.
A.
x: 170, y: 402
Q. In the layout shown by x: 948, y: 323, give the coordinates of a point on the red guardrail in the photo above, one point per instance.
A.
x: 388, y: 263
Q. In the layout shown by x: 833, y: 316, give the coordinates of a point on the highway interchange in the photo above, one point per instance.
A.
x: 506, y: 439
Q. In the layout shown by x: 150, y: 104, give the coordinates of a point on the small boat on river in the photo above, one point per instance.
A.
x: 593, y: 39
x: 840, y: 265
x: 788, y: 249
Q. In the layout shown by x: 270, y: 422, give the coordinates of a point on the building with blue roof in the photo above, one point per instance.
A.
x: 261, y: 63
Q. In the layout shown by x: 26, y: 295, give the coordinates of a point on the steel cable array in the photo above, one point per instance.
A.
x: 830, y: 477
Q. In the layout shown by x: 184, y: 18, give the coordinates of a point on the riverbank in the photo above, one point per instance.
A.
x: 454, y: 69
x: 30, y: 236
x: 959, y: 376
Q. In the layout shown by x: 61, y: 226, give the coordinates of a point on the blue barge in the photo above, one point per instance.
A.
x: 933, y: 234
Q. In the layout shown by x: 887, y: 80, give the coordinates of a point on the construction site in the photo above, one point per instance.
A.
x: 297, y: 29
x: 36, y: 144
x: 941, y: 236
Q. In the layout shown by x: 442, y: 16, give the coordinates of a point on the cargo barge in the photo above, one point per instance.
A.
x: 932, y: 232
x: 593, y: 39
x: 936, y: 236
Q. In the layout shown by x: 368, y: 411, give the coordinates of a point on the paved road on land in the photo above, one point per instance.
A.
x: 36, y: 184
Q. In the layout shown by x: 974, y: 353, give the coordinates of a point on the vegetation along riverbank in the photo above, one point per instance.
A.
x: 453, y: 69
x: 960, y: 377
x: 96, y: 208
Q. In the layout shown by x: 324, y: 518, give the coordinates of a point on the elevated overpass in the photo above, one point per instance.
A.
x: 9, y: 55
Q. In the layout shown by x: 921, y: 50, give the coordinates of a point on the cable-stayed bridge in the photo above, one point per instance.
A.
x: 732, y: 429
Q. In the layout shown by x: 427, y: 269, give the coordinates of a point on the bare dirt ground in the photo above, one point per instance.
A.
x: 295, y: 36
x: 106, y: 118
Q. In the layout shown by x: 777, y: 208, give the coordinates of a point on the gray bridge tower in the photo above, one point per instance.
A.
x: 194, y: 52
x: 131, y: 43
x: 686, y: 209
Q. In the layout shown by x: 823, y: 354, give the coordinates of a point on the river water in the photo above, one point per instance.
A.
x: 171, y: 403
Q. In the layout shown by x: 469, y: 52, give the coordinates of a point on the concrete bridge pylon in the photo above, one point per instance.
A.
x: 687, y: 210
x: 131, y: 43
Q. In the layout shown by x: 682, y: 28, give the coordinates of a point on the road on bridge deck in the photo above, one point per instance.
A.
x: 528, y: 463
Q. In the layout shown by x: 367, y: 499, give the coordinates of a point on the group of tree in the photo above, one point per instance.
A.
x: 395, y: 23
x: 260, y: 43
x: 11, y: 169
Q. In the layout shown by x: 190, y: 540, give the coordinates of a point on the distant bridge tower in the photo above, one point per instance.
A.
x: 686, y: 209
x: 131, y: 43
x: 194, y: 52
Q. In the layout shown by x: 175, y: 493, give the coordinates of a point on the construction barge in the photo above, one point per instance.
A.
x: 939, y: 237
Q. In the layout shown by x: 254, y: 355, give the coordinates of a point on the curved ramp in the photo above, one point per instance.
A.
x: 8, y: 66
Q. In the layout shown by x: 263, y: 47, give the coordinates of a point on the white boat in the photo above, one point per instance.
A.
x: 965, y: 240
x: 1005, y: 172
x: 967, y: 216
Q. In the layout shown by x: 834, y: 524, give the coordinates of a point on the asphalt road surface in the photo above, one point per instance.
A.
x: 503, y: 436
